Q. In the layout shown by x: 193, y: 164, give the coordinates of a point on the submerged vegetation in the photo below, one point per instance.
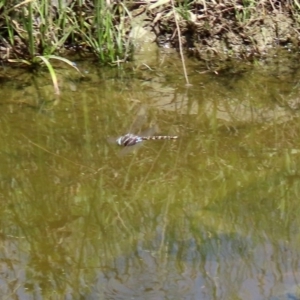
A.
x: 216, y: 192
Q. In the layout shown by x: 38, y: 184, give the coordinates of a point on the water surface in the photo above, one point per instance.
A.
x: 213, y: 215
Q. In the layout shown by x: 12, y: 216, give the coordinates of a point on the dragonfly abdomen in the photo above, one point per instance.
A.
x: 159, y: 137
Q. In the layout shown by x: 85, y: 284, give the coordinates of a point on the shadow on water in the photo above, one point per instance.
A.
x: 212, y: 215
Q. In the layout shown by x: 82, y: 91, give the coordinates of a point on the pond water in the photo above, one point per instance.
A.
x: 212, y: 215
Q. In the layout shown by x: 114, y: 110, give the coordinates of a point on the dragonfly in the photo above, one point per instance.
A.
x: 131, y: 139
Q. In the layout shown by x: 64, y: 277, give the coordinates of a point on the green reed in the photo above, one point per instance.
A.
x: 35, y: 31
x: 105, y: 33
x: 37, y: 28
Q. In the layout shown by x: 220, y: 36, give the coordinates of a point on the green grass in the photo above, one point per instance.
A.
x: 34, y: 32
x: 35, y: 28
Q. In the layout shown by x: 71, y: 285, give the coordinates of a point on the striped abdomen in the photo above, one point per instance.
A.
x: 159, y: 137
x: 131, y: 139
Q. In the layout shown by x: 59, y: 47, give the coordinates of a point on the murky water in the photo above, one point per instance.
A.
x: 213, y: 215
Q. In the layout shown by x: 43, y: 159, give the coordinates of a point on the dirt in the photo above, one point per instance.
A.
x: 227, y: 29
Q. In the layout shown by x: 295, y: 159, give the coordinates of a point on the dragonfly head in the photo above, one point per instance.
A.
x: 119, y: 141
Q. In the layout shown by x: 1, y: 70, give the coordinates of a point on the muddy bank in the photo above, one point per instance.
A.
x: 224, y: 29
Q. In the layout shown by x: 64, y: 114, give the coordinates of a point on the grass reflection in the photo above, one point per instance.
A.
x: 163, y: 199
x: 217, y: 203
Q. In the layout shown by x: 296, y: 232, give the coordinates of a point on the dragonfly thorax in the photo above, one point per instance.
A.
x: 129, y: 139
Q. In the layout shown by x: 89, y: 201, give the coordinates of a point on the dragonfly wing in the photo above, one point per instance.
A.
x: 112, y: 140
x: 150, y: 131
x: 129, y: 149
x: 140, y: 119
x: 138, y: 123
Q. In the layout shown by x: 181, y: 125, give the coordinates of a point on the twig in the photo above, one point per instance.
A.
x: 180, y: 46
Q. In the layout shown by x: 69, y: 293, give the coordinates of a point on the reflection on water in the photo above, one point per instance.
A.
x: 212, y: 215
